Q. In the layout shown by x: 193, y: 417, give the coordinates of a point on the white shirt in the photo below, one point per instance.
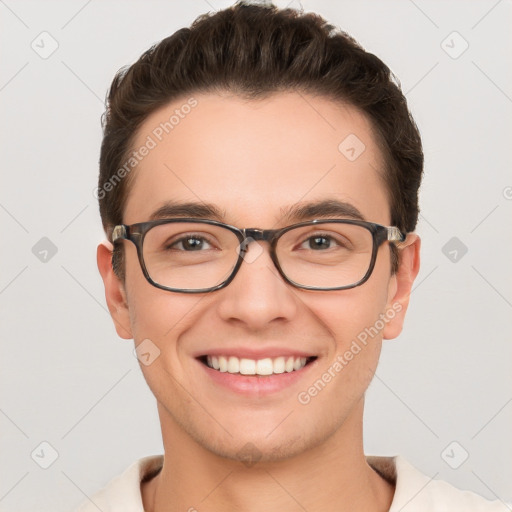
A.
x: 414, y: 491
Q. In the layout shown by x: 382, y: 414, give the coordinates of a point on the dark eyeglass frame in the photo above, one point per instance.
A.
x: 136, y: 233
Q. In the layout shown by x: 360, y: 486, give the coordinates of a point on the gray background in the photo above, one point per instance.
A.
x: 67, y: 380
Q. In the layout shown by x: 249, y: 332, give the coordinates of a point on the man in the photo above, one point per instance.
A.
x: 258, y: 183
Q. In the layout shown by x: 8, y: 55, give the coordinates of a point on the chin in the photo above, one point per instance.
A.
x: 262, y: 445
x: 258, y: 450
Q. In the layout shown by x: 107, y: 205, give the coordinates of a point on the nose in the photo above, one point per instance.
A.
x: 258, y: 295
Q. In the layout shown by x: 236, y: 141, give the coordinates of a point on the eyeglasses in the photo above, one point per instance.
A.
x: 196, y: 256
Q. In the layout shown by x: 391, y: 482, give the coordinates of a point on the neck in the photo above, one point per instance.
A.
x: 333, y: 476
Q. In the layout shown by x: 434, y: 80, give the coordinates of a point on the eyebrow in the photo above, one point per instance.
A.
x: 295, y: 213
x: 324, y: 208
x: 188, y: 209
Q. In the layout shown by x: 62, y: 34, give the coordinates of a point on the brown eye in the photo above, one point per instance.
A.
x: 190, y: 244
x: 318, y: 242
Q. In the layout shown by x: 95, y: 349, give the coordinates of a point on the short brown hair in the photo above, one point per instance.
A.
x: 254, y: 51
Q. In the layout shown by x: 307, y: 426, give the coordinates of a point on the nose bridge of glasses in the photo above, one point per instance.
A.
x: 256, y: 235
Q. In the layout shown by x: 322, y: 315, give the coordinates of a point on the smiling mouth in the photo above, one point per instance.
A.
x: 261, y: 367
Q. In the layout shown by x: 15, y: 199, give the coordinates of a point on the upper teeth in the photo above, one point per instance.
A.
x: 267, y: 366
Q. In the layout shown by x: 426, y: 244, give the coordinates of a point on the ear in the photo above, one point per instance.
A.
x: 401, y: 285
x: 114, y: 291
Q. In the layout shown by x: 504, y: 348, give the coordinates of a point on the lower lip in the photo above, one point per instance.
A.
x: 257, y: 385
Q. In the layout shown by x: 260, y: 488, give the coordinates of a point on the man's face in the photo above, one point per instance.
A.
x: 253, y: 161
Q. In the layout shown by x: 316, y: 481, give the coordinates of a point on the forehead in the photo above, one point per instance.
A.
x: 255, y: 159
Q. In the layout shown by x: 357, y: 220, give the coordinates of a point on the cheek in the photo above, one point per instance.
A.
x: 158, y: 320
x: 157, y: 315
x: 160, y: 315
x: 354, y: 319
x: 348, y: 313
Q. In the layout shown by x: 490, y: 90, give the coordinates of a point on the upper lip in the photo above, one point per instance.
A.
x: 255, y: 353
